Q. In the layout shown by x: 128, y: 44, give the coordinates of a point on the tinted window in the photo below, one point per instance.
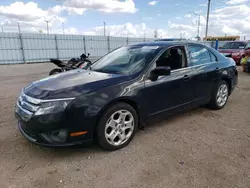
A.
x: 234, y: 45
x: 198, y: 55
x: 173, y: 58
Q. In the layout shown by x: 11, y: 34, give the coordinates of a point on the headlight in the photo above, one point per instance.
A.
x: 52, y: 107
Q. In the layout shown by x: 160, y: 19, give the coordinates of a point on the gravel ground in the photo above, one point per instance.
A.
x: 200, y: 148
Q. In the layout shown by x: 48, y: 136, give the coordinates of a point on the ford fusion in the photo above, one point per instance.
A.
x: 122, y: 91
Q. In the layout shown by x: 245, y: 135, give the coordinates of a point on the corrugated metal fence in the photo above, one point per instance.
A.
x: 29, y: 47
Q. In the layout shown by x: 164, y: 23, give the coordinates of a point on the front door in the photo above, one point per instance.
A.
x: 172, y: 92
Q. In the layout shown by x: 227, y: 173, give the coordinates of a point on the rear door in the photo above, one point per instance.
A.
x: 205, y: 68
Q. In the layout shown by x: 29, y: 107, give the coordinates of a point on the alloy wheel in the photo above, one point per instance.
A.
x: 222, y: 95
x: 119, y: 127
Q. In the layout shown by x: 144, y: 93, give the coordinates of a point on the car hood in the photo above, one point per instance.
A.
x: 72, y: 83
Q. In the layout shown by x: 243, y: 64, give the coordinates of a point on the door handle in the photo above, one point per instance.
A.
x: 186, y: 78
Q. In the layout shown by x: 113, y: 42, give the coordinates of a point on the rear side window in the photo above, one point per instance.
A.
x: 199, y: 55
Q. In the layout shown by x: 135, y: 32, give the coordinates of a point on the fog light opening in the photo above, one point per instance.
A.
x: 56, y: 136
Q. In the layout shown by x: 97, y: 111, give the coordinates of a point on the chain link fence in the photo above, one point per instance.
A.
x: 32, y: 48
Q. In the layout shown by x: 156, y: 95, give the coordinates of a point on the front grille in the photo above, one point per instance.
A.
x: 28, y: 103
x: 27, y: 106
x: 24, y: 103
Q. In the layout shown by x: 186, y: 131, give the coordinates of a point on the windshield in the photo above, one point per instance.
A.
x: 126, y: 60
x: 234, y: 45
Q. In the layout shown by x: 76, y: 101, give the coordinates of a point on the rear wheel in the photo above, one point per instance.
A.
x: 117, y: 126
x: 55, y: 71
x: 220, y: 96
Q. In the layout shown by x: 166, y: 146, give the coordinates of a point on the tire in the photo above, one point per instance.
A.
x: 55, y: 71
x: 110, y: 124
x: 223, y: 88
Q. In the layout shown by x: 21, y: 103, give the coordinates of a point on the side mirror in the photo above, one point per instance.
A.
x: 159, y: 71
x: 88, y: 54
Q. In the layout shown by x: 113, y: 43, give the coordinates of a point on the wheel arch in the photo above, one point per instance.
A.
x: 228, y: 80
x: 127, y: 100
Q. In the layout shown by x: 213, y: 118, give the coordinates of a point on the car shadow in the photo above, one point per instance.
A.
x: 168, y: 119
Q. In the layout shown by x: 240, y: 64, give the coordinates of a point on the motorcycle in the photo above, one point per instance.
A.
x: 83, y: 62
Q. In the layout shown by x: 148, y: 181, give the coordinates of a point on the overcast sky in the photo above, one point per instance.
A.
x: 135, y: 18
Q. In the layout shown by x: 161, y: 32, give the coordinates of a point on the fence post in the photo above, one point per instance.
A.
x: 84, y: 45
x: 108, y: 40
x: 22, y: 50
x: 127, y: 40
x: 57, y: 52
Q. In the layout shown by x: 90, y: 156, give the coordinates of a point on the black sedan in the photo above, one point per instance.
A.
x: 123, y: 90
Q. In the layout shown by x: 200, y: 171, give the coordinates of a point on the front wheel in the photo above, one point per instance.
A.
x: 55, y: 71
x: 219, y: 96
x: 117, y: 126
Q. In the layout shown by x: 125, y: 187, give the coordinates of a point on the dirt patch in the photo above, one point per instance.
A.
x: 199, y: 148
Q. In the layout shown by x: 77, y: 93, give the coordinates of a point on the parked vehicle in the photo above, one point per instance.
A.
x: 125, y: 89
x: 74, y: 63
x: 235, y: 49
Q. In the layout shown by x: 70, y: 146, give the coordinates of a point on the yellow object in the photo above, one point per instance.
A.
x: 243, y: 61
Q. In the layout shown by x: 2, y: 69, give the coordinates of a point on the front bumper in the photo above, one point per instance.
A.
x: 40, y: 139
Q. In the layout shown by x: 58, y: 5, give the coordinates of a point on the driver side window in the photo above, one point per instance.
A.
x: 173, y: 58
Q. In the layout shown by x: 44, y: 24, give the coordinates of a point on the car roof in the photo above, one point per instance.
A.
x: 166, y: 43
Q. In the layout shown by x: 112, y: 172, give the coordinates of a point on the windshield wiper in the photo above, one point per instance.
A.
x: 107, y: 71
